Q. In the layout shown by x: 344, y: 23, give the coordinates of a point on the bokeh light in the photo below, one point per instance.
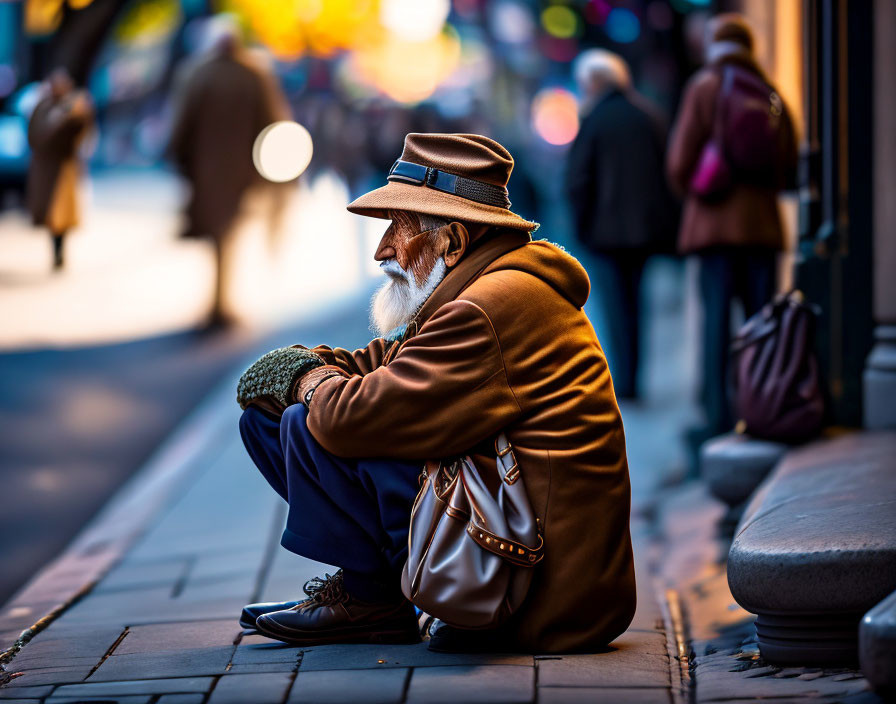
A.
x: 388, y: 65
x: 622, y: 25
x: 510, y: 22
x: 560, y: 21
x: 596, y: 11
x: 555, y: 116
x: 282, y: 151
x: 414, y: 20
x: 7, y: 80
x: 148, y: 22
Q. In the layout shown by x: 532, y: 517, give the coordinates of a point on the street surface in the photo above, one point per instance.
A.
x: 100, y: 362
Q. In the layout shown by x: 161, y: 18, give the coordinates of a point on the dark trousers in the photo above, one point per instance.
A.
x: 616, y: 277
x: 352, y: 513
x: 746, y: 275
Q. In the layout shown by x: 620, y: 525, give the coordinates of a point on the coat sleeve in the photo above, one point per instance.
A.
x: 692, y: 130
x: 445, y: 391
x: 362, y: 361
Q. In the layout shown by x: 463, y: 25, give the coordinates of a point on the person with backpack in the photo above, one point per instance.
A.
x: 731, y: 151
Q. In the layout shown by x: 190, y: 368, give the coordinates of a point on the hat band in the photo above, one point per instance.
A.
x: 469, y: 188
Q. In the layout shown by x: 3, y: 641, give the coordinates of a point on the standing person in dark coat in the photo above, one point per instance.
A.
x: 56, y: 129
x: 736, y: 236
x: 222, y: 105
x: 622, y: 207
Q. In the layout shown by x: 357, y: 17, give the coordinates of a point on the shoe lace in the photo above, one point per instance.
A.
x: 315, y: 584
x: 330, y: 590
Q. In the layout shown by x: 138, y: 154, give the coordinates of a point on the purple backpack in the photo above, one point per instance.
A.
x: 749, y: 133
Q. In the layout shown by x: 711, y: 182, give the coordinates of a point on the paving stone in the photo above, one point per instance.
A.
x: 154, y: 573
x: 266, y: 688
x: 356, y: 686
x: 48, y: 675
x: 248, y: 668
x: 25, y: 692
x: 172, y: 663
x: 181, y: 699
x: 116, y: 609
x: 636, y: 659
x: 593, y: 695
x: 258, y: 649
x: 133, y: 699
x: 23, y: 662
x: 57, y: 644
x: 353, y: 657
x: 160, y: 686
x: 721, y: 686
x: 21, y: 701
x: 178, y: 636
x: 476, y: 684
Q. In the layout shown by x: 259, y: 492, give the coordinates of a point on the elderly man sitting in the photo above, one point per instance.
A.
x: 481, y: 332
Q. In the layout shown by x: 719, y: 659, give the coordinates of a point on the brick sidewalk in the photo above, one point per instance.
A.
x: 145, y: 599
x: 160, y: 625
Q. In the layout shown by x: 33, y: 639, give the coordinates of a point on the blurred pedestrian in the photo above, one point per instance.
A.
x: 622, y: 207
x: 58, y: 125
x: 221, y: 105
x: 731, y: 221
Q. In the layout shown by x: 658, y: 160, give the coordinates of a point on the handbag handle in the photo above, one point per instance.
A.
x: 511, y: 550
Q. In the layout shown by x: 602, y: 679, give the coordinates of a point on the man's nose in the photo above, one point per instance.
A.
x: 385, y: 250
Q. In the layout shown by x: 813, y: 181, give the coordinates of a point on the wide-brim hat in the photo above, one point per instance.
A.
x: 456, y: 176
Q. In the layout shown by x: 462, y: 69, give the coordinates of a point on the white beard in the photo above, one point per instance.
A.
x: 397, y: 301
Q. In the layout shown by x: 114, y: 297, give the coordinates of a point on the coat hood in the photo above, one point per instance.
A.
x: 551, y: 264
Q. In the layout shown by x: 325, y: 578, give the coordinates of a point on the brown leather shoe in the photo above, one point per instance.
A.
x: 332, y: 615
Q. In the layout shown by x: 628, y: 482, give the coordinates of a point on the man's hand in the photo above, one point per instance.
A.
x: 271, y: 381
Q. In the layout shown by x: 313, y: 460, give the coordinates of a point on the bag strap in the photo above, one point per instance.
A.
x: 510, y: 550
x: 506, y: 460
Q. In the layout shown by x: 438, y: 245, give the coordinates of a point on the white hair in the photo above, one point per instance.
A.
x: 597, y: 70
x: 397, y: 301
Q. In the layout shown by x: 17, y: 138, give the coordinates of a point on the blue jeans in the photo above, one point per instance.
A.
x: 352, y: 513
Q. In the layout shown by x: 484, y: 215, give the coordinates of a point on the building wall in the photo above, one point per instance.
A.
x: 884, y: 162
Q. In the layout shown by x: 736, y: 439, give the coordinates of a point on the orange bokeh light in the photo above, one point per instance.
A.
x: 555, y: 116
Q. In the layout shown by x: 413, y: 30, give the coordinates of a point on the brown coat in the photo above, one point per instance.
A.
x: 747, y: 215
x: 55, y: 131
x: 503, y: 344
x: 221, y: 105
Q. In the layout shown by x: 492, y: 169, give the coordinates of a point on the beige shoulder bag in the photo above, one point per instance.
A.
x: 473, y: 542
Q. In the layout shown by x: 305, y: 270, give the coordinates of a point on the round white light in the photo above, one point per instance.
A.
x: 282, y: 151
x: 414, y: 20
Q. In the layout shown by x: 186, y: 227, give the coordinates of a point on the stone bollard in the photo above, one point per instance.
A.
x: 733, y: 465
x: 816, y: 548
x: 877, y: 646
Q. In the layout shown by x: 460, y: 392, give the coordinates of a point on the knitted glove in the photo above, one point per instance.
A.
x: 275, y: 376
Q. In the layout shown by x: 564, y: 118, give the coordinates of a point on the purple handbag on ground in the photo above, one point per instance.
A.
x: 779, y: 393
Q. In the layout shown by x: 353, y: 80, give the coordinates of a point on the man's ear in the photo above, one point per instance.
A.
x: 454, y: 239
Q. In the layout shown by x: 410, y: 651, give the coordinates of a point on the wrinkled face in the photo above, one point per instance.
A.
x: 411, y: 256
x: 412, y: 243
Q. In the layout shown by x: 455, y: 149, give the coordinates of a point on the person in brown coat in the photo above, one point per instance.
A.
x: 221, y: 105
x: 57, y: 127
x: 737, y: 235
x: 481, y: 332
